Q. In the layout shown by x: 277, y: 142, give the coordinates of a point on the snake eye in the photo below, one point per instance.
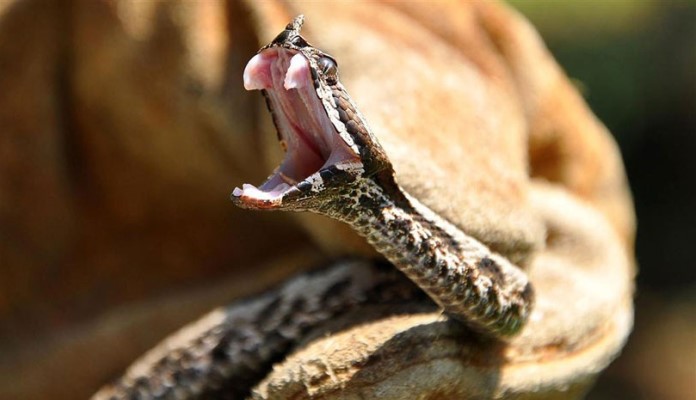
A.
x: 329, y: 68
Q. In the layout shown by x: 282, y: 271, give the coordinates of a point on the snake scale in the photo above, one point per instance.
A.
x: 333, y: 166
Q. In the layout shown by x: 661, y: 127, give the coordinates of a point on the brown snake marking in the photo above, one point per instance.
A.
x: 333, y: 166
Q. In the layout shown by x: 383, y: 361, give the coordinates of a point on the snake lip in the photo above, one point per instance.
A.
x: 313, y: 148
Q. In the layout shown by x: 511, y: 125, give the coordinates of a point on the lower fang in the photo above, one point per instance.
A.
x: 297, y: 74
x: 287, y: 179
x: 251, y: 191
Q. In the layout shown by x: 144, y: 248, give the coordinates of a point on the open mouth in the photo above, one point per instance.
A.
x: 305, y: 131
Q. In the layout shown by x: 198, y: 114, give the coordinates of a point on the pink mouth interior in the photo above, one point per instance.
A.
x: 311, y: 141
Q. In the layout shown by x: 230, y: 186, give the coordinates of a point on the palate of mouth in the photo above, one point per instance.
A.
x: 305, y: 131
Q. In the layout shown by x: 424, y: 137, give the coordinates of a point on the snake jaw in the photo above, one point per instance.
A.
x: 317, y: 158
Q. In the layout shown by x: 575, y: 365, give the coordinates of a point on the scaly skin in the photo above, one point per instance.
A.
x: 472, y: 284
x: 224, y: 354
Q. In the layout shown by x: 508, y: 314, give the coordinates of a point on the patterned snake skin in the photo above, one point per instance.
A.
x: 224, y: 354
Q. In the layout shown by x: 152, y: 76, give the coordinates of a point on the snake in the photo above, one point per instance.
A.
x: 333, y: 166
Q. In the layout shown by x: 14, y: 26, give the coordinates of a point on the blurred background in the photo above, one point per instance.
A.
x: 635, y: 63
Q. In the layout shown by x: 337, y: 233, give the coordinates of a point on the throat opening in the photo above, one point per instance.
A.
x: 305, y: 131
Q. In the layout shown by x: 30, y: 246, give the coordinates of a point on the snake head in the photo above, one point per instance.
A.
x: 328, y: 145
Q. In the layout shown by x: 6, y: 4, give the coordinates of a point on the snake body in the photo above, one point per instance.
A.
x: 224, y: 354
x: 353, y: 181
x: 334, y: 166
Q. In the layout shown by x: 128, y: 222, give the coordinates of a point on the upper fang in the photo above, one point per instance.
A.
x: 257, y: 72
x: 298, y: 72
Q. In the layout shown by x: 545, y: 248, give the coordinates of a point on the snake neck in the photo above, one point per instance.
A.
x: 457, y: 271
